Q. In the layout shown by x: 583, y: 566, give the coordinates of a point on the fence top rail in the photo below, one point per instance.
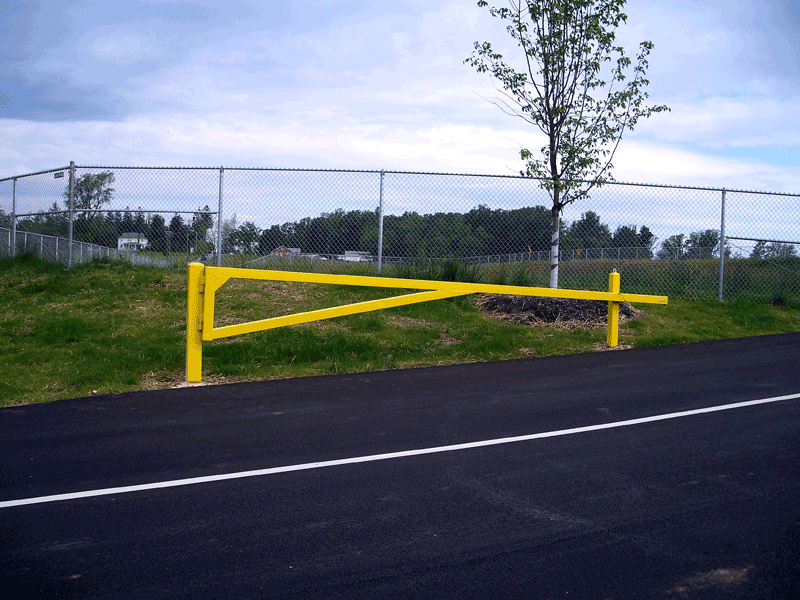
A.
x: 731, y: 237
x: 36, y: 173
x: 384, y: 171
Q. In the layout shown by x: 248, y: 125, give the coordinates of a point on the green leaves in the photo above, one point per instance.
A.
x: 577, y: 87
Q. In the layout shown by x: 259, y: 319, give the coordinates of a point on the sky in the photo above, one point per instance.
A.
x: 377, y: 85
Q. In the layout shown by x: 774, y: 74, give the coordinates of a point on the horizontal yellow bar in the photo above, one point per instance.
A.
x: 325, y: 313
x: 217, y: 276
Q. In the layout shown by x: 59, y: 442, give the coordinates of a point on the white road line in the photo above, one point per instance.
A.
x: 375, y: 457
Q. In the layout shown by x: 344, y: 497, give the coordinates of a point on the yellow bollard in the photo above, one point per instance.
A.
x: 612, y: 334
x: 194, y: 314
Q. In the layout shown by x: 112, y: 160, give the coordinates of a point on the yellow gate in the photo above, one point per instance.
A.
x: 205, y: 281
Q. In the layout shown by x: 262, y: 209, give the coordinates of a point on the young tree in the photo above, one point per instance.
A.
x: 575, y: 87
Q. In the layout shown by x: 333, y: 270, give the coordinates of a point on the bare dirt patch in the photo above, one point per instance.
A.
x: 446, y: 340
x: 165, y: 380
x: 271, y: 291
x: 603, y: 347
x: 557, y: 313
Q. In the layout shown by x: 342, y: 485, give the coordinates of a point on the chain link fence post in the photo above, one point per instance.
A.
x: 722, y: 248
x: 380, y: 227
x: 219, y: 220
x: 13, y: 244
x: 71, y: 212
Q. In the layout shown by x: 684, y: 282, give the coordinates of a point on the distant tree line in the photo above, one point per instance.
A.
x: 706, y: 244
x: 481, y: 231
x: 698, y: 245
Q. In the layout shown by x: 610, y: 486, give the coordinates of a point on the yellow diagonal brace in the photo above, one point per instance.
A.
x: 325, y: 313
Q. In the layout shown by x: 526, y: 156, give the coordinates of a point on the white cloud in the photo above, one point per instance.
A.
x: 247, y: 139
x: 391, y: 91
x: 727, y: 122
x: 124, y: 48
x: 644, y: 162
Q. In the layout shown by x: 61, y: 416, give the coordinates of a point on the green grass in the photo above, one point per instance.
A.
x: 109, y: 327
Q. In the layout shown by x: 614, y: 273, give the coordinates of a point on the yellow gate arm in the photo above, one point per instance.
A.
x: 205, y: 281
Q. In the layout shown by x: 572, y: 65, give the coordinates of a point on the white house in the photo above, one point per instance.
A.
x: 131, y: 241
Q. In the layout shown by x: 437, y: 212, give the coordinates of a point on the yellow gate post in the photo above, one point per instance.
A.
x: 194, y: 322
x: 613, y: 310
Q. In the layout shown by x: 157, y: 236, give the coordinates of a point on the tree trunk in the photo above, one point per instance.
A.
x: 556, y: 211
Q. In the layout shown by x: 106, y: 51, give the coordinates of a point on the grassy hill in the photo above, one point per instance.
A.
x: 110, y: 327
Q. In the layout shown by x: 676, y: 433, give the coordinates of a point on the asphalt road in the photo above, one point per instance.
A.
x: 699, y: 505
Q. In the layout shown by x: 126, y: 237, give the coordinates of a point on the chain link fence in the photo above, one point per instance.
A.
x: 691, y: 242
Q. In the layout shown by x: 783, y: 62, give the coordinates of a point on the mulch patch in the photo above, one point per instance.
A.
x: 557, y: 313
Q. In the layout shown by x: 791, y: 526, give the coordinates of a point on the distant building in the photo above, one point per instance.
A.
x: 285, y: 252
x: 133, y: 242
